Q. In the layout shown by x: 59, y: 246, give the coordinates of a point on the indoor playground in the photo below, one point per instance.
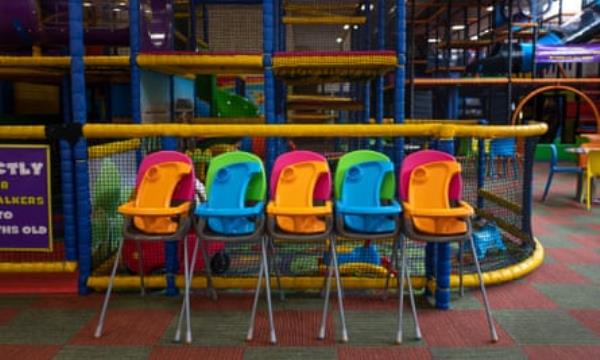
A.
x: 299, y: 179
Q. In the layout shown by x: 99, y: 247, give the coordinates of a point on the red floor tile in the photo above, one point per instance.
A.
x: 575, y: 255
x: 224, y: 302
x: 127, y: 327
x: 516, y: 296
x: 204, y: 353
x: 29, y: 352
x: 458, y: 328
x: 589, y: 241
x: 555, y: 274
x: 93, y: 301
x: 383, y: 353
x: 7, y: 315
x: 294, y: 328
x: 557, y: 352
x: 589, y: 318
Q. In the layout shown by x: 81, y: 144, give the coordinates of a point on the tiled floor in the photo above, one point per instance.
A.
x: 553, y: 313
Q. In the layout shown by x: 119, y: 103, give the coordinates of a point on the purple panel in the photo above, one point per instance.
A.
x: 588, y: 53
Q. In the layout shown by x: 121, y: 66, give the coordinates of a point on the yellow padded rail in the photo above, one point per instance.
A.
x: 38, y: 267
x: 119, y: 61
x: 35, y: 61
x: 25, y: 132
x: 439, y: 130
x: 201, y: 64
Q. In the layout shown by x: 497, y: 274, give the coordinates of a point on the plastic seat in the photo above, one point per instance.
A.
x: 300, y: 180
x: 366, y: 209
x: 236, y: 189
x: 556, y: 169
x: 161, y: 211
x: 504, y: 149
x: 592, y: 170
x: 430, y: 215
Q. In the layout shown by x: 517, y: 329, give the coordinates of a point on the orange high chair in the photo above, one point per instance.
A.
x: 161, y: 211
x: 430, y: 216
x: 294, y: 214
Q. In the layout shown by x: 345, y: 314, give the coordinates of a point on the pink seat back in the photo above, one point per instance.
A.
x: 422, y: 157
x: 323, y: 186
x: 185, y: 188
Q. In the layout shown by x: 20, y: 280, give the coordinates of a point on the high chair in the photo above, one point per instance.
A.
x: 592, y: 170
x: 236, y: 188
x: 161, y: 211
x: 299, y: 181
x: 431, y: 215
x: 366, y: 209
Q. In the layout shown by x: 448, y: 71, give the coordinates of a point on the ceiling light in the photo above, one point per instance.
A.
x: 355, y: 27
x: 363, y: 7
x: 371, y: 7
x: 87, y: 4
x: 339, y: 40
x: 347, y: 27
x: 489, y: 9
x: 458, y: 27
x: 122, y: 3
x: 433, y: 40
x: 474, y: 37
x: 117, y: 9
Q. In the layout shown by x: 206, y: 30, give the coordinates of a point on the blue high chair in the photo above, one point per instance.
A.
x: 366, y: 208
x: 504, y: 149
x: 236, y: 189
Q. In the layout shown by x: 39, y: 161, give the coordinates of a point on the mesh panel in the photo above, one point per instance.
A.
x: 232, y: 28
x: 500, y: 216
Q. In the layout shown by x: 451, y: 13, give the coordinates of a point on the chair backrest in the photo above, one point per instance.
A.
x: 362, y: 187
x: 593, y: 162
x: 163, y: 177
x: 258, y: 183
x: 503, y: 147
x: 388, y: 182
x: 185, y: 188
x: 296, y: 186
x: 229, y: 190
x: 429, y: 189
x: 422, y: 157
x: 323, y: 185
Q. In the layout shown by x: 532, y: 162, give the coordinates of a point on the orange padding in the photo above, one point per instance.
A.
x: 152, y: 205
x: 428, y: 200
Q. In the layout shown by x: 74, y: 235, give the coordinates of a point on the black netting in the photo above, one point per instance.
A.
x: 499, y: 227
x: 231, y: 28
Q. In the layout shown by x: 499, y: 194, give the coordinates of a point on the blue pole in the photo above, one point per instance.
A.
x: 528, y: 186
x: 268, y: 48
x: 443, y: 264
x: 79, y: 112
x: 400, y: 77
x: 67, y: 179
x: 379, y: 82
x: 481, y: 167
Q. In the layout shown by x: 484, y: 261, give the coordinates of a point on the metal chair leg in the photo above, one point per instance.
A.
x: 461, y: 269
x: 272, y: 336
x: 488, y: 311
x: 100, y: 326
x: 547, y: 187
x: 340, y: 290
x: 413, y: 305
x: 401, y: 292
x: 250, y: 333
x: 212, y: 293
x: 327, y: 290
x: 140, y: 252
x: 187, y: 277
x: 394, y: 263
x: 275, y: 266
x: 190, y: 276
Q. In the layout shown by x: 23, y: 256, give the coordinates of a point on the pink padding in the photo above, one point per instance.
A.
x: 185, y: 189
x: 423, y: 157
x: 323, y: 187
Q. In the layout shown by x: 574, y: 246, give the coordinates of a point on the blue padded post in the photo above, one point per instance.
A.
x: 78, y: 104
x: 269, y: 84
x: 528, y: 186
x: 171, y: 261
x: 67, y: 180
x: 481, y: 167
x: 443, y: 265
x: 400, y: 77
